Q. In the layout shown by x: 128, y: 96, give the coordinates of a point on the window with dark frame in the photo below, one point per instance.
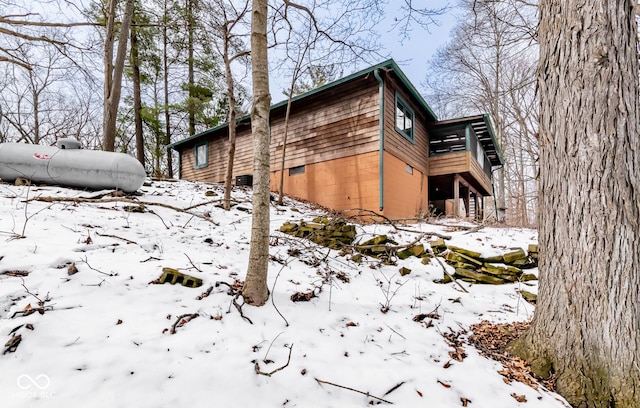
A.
x: 296, y: 170
x: 404, y: 118
x: 201, y: 152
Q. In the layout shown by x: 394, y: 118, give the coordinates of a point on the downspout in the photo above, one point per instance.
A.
x: 376, y: 73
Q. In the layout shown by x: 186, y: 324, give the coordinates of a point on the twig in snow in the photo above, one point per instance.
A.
x: 85, y: 260
x: 352, y: 389
x: 239, y: 307
x: 189, y: 316
x: 395, y: 387
x: 269, y: 349
x: 257, y: 366
x: 191, y: 262
x: 391, y: 328
x: 128, y: 241
x: 161, y: 219
x: 273, y: 289
x: 388, y: 294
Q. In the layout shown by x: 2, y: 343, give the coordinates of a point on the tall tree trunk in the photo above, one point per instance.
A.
x: 191, y: 74
x: 228, y: 180
x: 165, y: 65
x: 115, y: 71
x: 137, y: 98
x: 284, y: 137
x: 586, y: 326
x: 255, y: 290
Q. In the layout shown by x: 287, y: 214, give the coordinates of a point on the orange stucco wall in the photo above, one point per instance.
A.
x: 341, y: 184
x: 405, y: 194
x: 353, y: 182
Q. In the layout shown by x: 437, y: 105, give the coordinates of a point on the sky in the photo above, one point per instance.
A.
x: 412, y: 54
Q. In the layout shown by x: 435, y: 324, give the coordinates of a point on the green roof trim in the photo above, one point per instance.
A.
x: 389, y: 64
x: 487, y: 120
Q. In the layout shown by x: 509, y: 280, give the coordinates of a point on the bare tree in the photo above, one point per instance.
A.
x: 228, y: 21
x: 489, y: 66
x: 137, y: 97
x: 586, y: 327
x: 255, y: 291
x: 113, y: 70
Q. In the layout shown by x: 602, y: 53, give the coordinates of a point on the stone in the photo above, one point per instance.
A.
x: 529, y: 297
x: 478, y: 277
x: 514, y: 255
x: 415, y: 250
x: 453, y: 256
x: 464, y: 251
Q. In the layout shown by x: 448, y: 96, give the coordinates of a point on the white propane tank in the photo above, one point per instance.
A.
x: 69, y: 165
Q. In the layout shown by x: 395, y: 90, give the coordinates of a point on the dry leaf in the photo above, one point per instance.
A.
x: 72, y: 269
x: 519, y: 398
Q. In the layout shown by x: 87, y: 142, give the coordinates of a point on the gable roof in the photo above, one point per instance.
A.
x: 389, y: 65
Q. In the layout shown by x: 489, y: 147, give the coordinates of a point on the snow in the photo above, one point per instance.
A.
x: 104, y: 339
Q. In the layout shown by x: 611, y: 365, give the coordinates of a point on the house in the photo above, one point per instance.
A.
x: 367, y: 141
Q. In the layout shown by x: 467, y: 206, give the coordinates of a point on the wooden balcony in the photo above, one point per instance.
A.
x: 443, y: 168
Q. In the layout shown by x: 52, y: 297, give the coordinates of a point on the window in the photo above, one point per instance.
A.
x: 404, y: 118
x: 296, y: 170
x: 409, y: 169
x: 202, y: 155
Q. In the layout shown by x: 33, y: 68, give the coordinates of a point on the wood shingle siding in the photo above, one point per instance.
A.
x: 333, y: 147
x: 329, y: 128
x: 415, y: 154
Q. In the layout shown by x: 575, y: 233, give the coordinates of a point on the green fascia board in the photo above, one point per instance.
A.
x: 487, y: 120
x: 389, y: 64
x: 205, y: 133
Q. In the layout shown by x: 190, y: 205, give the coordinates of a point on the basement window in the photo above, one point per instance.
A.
x: 404, y: 118
x: 201, y: 151
x: 409, y: 169
x: 296, y: 170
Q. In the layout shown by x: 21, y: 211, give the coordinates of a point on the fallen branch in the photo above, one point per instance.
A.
x: 216, y: 201
x: 394, y: 223
x: 128, y: 241
x: 180, y: 319
x: 260, y: 372
x: 49, y: 199
x: 390, y: 247
x: 444, y: 269
x: 352, y: 389
x: 239, y: 307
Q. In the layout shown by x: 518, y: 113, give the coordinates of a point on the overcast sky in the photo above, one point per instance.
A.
x: 412, y: 54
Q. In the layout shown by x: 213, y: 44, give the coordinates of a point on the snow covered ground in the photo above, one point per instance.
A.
x: 104, y: 339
